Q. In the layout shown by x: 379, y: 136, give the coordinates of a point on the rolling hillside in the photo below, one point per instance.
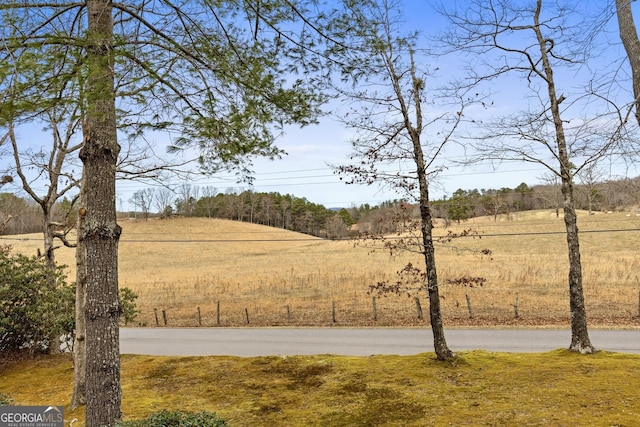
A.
x: 277, y: 277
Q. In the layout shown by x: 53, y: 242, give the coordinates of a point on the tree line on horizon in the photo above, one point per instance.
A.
x: 301, y: 215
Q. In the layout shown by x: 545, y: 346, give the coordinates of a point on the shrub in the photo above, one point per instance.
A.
x: 35, y: 304
x: 166, y: 418
x: 5, y: 400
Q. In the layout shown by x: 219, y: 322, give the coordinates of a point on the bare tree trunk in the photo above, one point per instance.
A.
x: 629, y: 37
x: 79, y: 397
x: 435, y: 314
x: 49, y: 255
x: 426, y: 222
x: 580, y: 341
x: 99, y: 156
x: 50, y: 263
x: 579, y: 334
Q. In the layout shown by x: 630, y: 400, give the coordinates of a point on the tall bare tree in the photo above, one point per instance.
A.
x: 565, y: 129
x: 592, y: 178
x: 47, y: 161
x: 53, y: 162
x: 400, y: 124
x: 143, y: 199
x: 549, y: 193
x: 163, y: 201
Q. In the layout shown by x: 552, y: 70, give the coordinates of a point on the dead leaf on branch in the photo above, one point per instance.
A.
x: 467, y: 281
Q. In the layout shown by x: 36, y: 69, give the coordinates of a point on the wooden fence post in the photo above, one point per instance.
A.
x: 164, y: 317
x: 333, y: 311
x: 288, y: 314
x: 469, y: 306
x: 246, y: 312
x: 418, y: 308
x: 218, y: 314
x: 155, y: 312
x: 515, y: 307
x: 199, y: 317
x: 375, y: 309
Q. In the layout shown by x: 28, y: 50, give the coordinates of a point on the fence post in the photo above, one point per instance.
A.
x: 288, y: 314
x: 155, y: 312
x: 375, y: 309
x: 164, y: 317
x: 333, y: 311
x: 469, y: 306
x: 246, y: 312
x: 515, y: 307
x: 199, y: 317
x: 218, y: 313
x: 418, y: 308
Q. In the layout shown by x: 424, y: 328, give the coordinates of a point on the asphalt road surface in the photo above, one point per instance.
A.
x: 355, y: 341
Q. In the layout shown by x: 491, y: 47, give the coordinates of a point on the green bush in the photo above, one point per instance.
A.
x: 35, y: 304
x: 5, y: 400
x: 166, y: 418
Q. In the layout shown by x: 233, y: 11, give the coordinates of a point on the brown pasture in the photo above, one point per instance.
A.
x: 270, y: 276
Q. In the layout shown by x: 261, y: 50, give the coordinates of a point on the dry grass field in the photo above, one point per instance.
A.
x: 278, y: 277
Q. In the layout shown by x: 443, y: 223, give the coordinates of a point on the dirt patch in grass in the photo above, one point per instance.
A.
x: 480, y: 388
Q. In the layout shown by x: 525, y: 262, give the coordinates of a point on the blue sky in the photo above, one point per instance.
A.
x: 305, y: 171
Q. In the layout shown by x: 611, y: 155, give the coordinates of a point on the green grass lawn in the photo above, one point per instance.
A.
x: 480, y: 388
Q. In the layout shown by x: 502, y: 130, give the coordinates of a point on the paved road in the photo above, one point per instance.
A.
x: 355, y: 342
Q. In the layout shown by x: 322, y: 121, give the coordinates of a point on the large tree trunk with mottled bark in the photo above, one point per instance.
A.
x: 629, y: 37
x: 79, y: 396
x: 99, y: 156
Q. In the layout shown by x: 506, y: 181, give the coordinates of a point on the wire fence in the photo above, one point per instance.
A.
x: 469, y: 310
